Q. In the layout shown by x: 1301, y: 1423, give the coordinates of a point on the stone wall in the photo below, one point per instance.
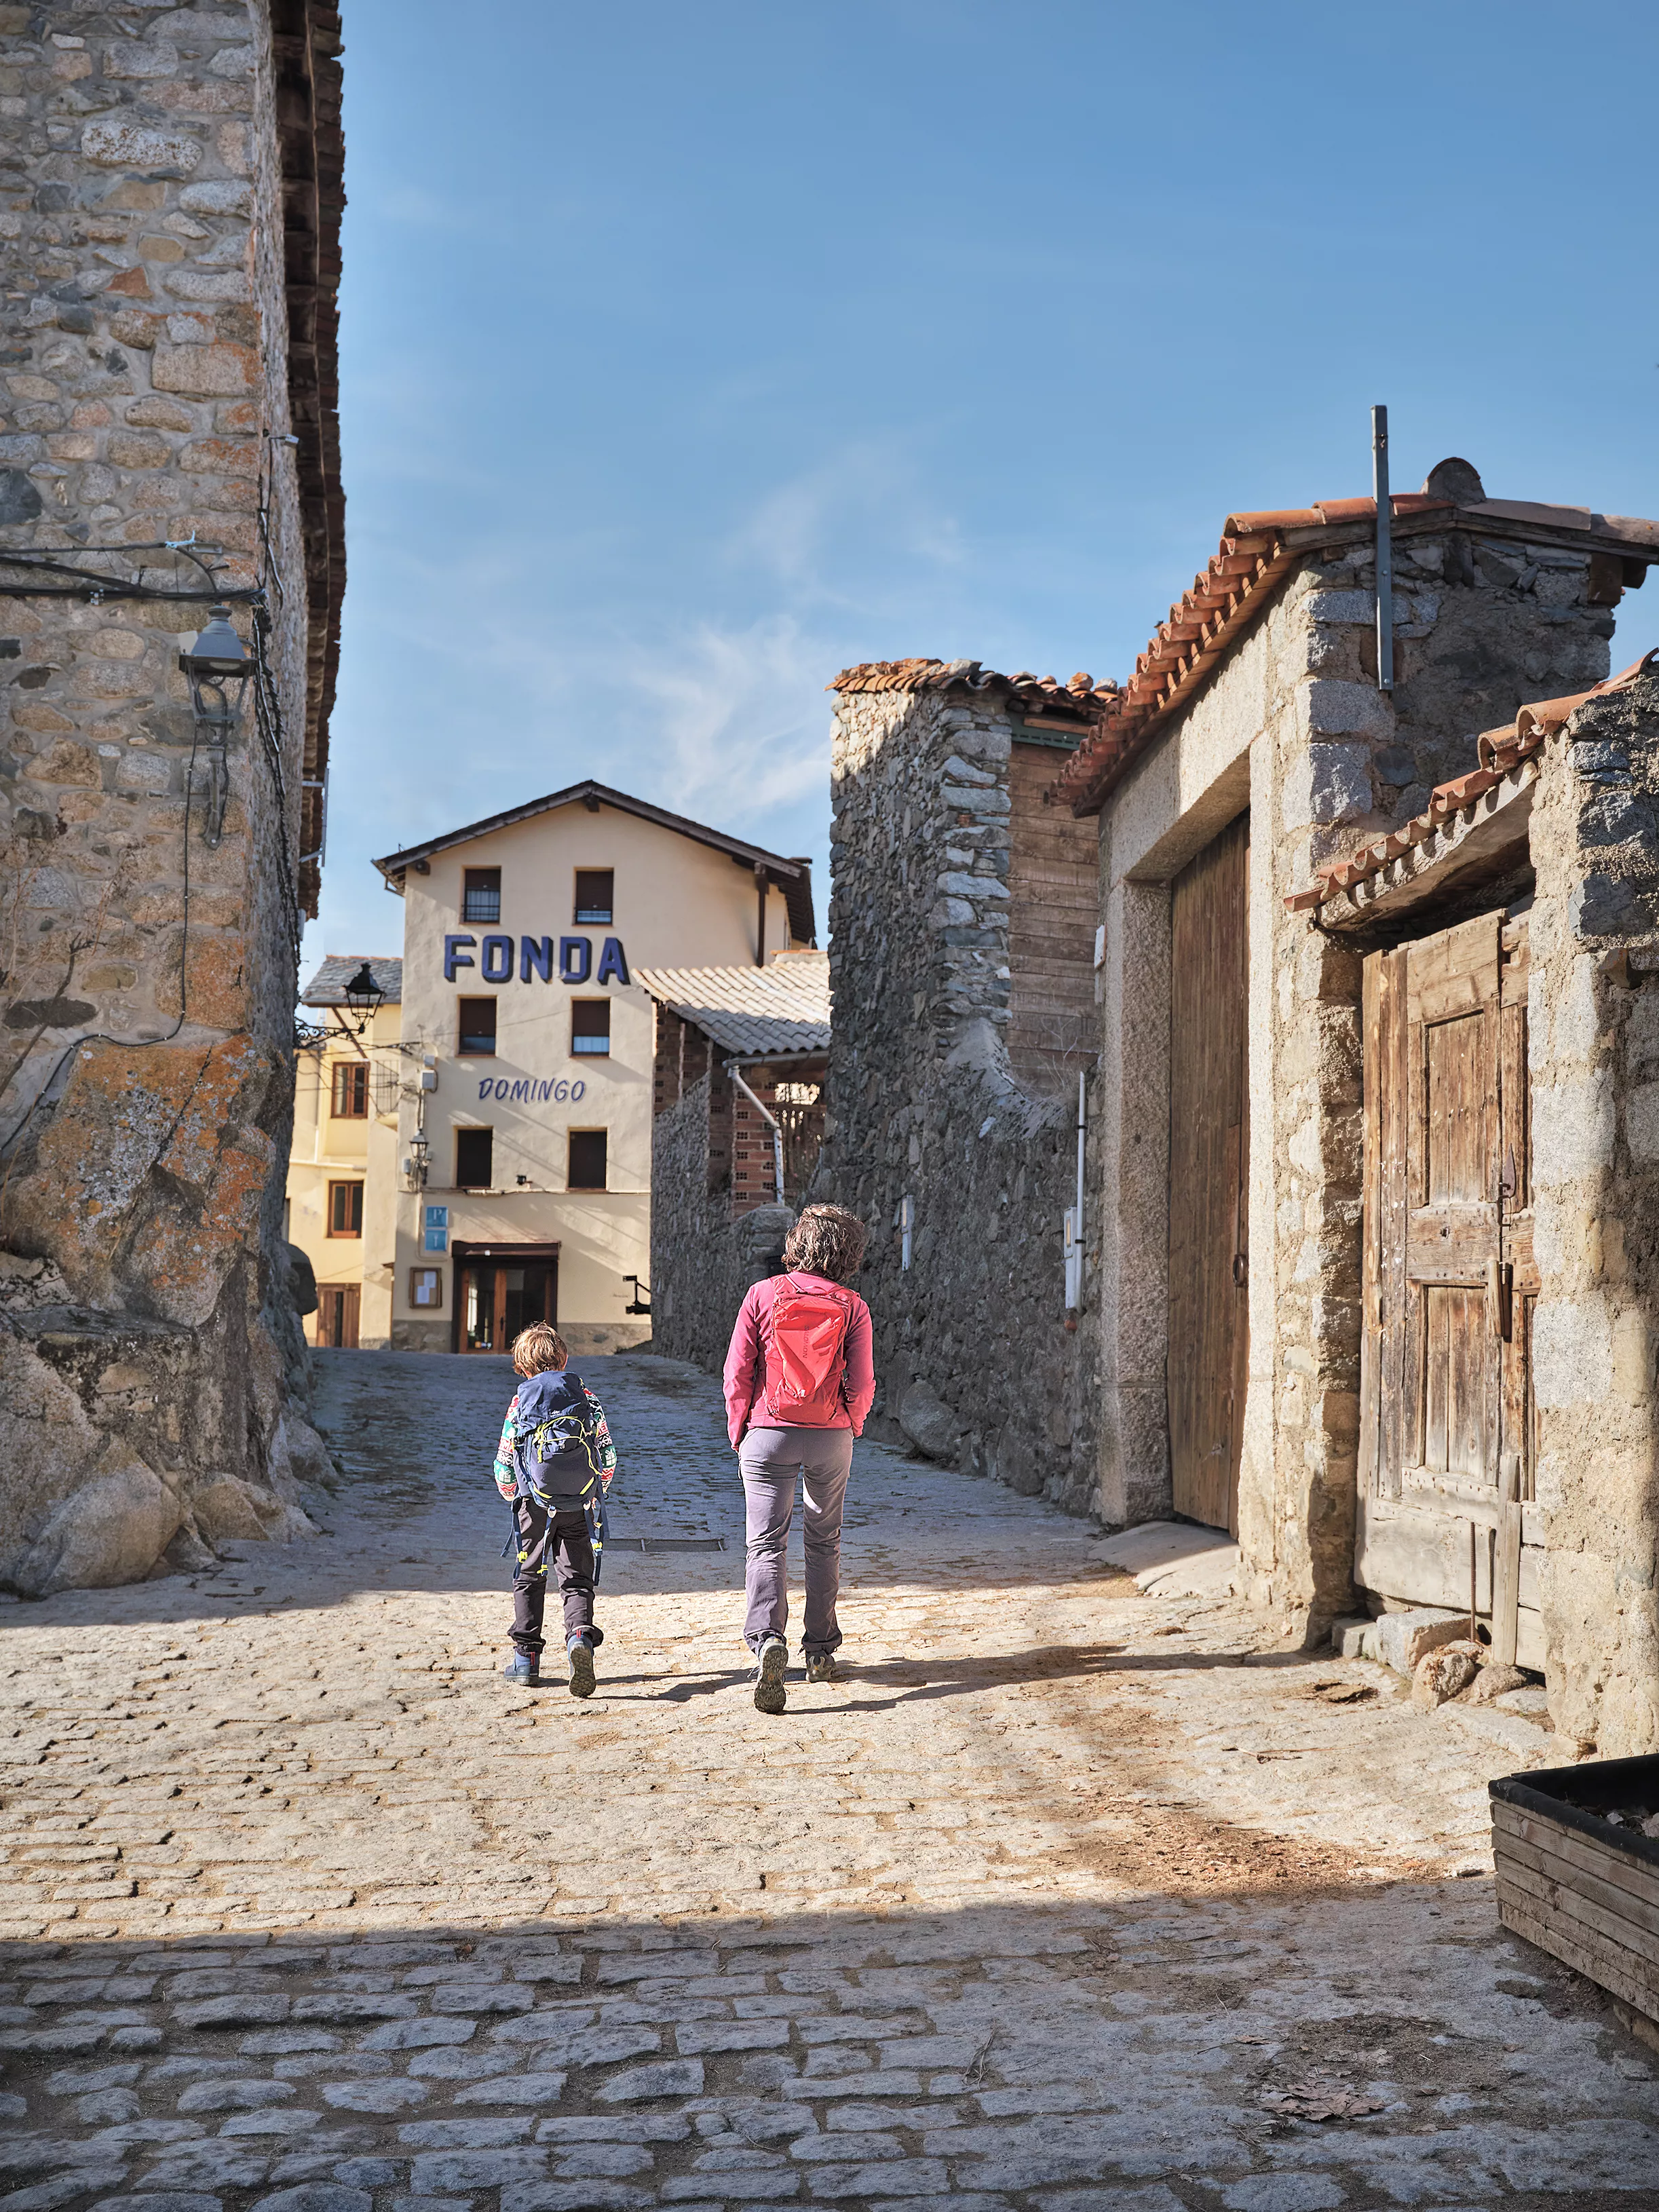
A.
x: 1593, y: 1016
x: 1293, y: 726
x: 926, y: 1123
x: 169, y: 207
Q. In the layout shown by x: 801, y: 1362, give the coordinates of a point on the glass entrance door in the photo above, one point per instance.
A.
x: 498, y: 1298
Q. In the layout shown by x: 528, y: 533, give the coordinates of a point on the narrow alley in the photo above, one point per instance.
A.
x: 1069, y: 1897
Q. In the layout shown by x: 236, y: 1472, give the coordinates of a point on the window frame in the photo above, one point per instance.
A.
x: 345, y: 1183
x: 482, y: 889
x: 592, y: 1044
x: 590, y: 915
x: 463, y: 1049
x: 486, y: 1129
x: 570, y: 1137
x: 358, y: 1071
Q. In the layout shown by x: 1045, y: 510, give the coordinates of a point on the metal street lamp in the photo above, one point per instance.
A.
x: 415, y: 1165
x: 364, y: 996
x: 218, y: 667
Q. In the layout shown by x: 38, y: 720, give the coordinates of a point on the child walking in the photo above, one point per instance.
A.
x: 554, y: 1466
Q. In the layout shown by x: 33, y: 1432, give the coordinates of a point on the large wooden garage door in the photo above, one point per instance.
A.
x: 1450, y: 1280
x: 1209, y: 1164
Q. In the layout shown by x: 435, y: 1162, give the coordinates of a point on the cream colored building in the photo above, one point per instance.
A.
x: 519, y: 1187
x: 342, y: 1166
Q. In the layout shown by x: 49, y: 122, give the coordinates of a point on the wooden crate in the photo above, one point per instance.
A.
x: 1582, y: 1890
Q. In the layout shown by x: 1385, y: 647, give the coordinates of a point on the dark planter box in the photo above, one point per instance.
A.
x: 1577, y: 1887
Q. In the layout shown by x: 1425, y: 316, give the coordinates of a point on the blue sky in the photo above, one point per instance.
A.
x: 690, y: 354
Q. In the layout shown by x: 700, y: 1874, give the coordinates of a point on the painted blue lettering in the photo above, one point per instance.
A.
x: 545, y: 1090
x: 578, y: 1089
x: 561, y: 1091
x: 454, y: 958
x: 575, y: 959
x: 498, y: 959
x: 521, y: 1090
x: 613, y: 960
x: 486, y: 1086
x: 535, y: 953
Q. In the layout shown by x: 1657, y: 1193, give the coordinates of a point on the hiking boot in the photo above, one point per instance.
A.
x: 821, y: 1668
x: 524, y: 1668
x: 579, y: 1653
x: 770, y: 1696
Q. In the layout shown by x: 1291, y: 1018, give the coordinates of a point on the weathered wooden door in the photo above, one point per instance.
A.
x: 1446, y: 1457
x: 1209, y: 1167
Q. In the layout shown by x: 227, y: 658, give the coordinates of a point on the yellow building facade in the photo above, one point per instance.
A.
x: 512, y: 1181
x: 342, y: 1164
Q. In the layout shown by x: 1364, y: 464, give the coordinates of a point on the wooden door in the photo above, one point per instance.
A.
x: 1449, y: 1283
x: 1209, y: 1171
x: 338, y: 1308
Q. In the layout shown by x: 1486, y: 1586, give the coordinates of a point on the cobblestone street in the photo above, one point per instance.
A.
x: 1043, y: 1906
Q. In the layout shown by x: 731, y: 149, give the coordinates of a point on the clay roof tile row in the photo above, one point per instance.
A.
x: 1080, y: 693
x: 1497, y: 750
x: 771, y: 1013
x: 1255, y: 551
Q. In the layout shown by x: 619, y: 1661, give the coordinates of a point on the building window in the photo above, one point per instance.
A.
x: 595, y: 892
x: 475, y: 1158
x: 478, y: 1027
x: 590, y: 1025
x: 351, y: 1089
x: 345, y: 1209
x: 426, y: 1288
x: 481, y: 895
x: 586, y: 1168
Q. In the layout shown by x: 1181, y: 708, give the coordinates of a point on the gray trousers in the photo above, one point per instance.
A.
x: 770, y: 1459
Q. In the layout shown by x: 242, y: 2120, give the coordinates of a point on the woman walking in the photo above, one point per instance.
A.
x: 799, y: 1379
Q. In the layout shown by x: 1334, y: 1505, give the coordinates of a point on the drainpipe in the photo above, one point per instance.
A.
x: 1074, y: 1219
x: 1384, y: 549
x: 767, y: 1115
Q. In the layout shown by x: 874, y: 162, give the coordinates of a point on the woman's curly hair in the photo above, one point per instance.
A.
x: 828, y: 1240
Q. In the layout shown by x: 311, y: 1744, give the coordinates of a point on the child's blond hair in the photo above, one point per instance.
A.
x: 537, y: 1348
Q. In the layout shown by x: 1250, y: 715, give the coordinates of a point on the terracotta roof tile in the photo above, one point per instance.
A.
x: 1498, y: 751
x: 1256, y: 550
x: 767, y: 1013
x: 1080, y: 694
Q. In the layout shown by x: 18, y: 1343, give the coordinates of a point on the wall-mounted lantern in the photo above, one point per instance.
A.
x: 218, y: 667
x: 415, y: 1166
x: 364, y: 996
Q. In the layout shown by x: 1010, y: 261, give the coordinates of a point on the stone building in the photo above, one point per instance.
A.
x: 963, y: 915
x: 1509, y: 1136
x: 170, y: 201
x: 736, y: 1136
x: 524, y: 1159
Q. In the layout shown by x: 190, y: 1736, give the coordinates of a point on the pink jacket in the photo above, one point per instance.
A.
x: 745, y: 1362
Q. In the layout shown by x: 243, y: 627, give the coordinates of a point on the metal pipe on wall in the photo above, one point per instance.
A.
x: 1384, y: 549
x: 767, y: 1115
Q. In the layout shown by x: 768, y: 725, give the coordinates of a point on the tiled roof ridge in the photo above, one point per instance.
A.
x: 919, y: 674
x: 782, y: 1008
x: 337, y: 969
x: 1255, y: 552
x: 1498, y: 751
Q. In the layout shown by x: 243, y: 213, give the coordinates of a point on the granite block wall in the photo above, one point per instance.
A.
x: 168, y: 225
x: 1593, y: 1020
x: 931, y: 1138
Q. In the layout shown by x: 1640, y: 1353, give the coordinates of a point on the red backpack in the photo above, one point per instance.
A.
x: 806, y: 1355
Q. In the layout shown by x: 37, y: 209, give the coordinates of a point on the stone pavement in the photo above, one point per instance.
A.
x: 1048, y: 1906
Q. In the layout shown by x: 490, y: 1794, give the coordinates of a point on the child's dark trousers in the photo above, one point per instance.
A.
x: 562, y: 1538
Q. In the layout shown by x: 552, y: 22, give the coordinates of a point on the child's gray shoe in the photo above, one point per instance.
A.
x: 580, y: 1652
x: 770, y: 1696
x: 524, y: 1668
x: 821, y: 1668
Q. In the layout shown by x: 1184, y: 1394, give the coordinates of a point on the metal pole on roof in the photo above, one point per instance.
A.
x: 1384, y: 549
